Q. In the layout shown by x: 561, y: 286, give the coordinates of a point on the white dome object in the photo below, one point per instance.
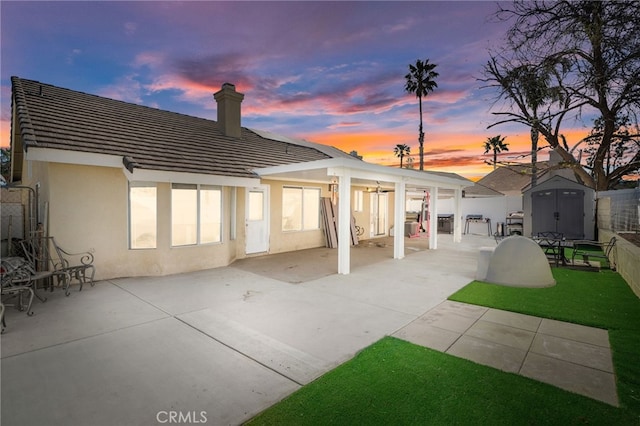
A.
x: 519, y: 262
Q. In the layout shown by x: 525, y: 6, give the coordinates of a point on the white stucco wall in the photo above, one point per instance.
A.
x: 86, y: 209
x: 494, y: 208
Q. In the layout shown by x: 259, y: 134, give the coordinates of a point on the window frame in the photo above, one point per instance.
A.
x: 130, y: 233
x: 358, y: 200
x: 301, y: 218
x: 199, y: 188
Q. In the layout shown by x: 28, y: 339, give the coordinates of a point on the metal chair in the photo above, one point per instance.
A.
x: 16, y: 281
x: 37, y: 251
x: 78, y: 265
x: 594, y: 249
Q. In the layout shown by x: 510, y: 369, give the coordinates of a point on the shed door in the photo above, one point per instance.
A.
x: 543, y: 207
x: 571, y: 208
x: 558, y: 210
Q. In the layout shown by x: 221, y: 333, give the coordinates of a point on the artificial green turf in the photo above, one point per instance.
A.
x: 598, y: 299
x: 396, y: 382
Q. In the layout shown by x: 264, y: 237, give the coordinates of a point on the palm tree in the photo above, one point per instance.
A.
x: 402, y: 150
x: 497, y: 145
x: 421, y: 81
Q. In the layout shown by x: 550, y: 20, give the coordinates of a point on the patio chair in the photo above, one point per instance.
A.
x: 16, y: 282
x: 594, y: 249
x: 45, y: 264
x: 78, y: 265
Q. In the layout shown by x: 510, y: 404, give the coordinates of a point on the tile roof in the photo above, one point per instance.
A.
x: 511, y: 178
x: 149, y: 138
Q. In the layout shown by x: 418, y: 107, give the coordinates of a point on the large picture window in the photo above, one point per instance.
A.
x: 142, y: 215
x: 300, y: 208
x: 196, y: 214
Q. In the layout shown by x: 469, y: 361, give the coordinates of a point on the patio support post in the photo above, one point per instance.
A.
x: 399, y: 219
x: 457, y: 226
x: 433, y: 223
x: 344, y: 222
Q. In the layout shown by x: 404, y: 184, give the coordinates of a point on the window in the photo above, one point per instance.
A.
x: 300, y: 208
x: 358, y: 200
x: 142, y: 215
x: 210, y: 215
x: 196, y: 214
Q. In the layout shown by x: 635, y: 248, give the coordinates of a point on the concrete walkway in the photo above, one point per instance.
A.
x: 570, y: 356
x: 212, y: 347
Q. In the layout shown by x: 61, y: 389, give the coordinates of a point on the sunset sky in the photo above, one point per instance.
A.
x: 328, y: 72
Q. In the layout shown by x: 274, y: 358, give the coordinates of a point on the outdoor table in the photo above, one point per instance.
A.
x: 554, y: 247
x: 472, y: 220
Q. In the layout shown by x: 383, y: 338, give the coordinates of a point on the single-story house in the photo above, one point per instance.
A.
x: 154, y: 192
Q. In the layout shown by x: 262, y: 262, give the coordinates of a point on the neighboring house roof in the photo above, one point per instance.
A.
x: 506, y: 179
x: 479, y: 190
x: 148, y: 138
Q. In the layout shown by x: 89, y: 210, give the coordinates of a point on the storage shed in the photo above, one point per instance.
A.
x: 560, y: 205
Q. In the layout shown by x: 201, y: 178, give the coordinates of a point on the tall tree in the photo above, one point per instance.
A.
x: 588, y: 53
x: 5, y: 163
x: 496, y: 145
x: 421, y: 81
x: 401, y: 151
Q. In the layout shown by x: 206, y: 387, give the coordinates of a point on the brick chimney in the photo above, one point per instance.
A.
x: 229, y: 109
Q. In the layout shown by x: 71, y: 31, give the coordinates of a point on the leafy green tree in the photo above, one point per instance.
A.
x: 583, y: 62
x: 495, y: 145
x: 401, y: 151
x: 5, y: 163
x: 421, y: 81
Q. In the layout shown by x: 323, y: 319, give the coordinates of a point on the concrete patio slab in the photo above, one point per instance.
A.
x: 229, y: 342
x: 512, y: 319
x: 593, y: 356
x: 134, y: 376
x: 296, y: 365
x: 576, y: 378
x: 92, y: 311
x: 448, y: 321
x: 501, y: 334
x: 462, y: 309
x: 484, y: 352
x: 212, y: 288
x: 570, y: 356
x: 426, y: 335
x: 577, y: 332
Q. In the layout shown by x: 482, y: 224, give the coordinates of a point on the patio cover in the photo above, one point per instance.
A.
x: 352, y: 171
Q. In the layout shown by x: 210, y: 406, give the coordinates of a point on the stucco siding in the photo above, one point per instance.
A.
x: 283, y: 241
x: 100, y: 224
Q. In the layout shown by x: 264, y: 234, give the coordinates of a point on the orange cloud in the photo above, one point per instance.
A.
x: 5, y: 133
x: 461, y: 153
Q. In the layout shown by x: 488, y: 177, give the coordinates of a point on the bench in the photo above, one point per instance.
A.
x: 45, y: 254
x: 593, y: 249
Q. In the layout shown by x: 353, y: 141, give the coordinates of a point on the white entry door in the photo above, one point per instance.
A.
x: 379, y: 208
x: 257, y: 220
